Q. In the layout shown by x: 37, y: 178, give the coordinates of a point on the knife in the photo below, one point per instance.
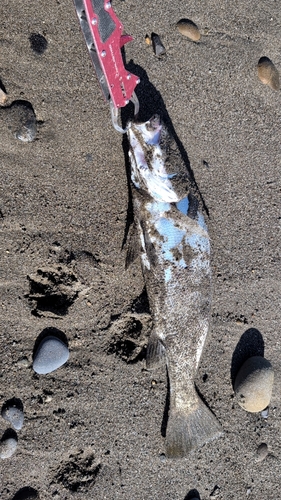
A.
x: 102, y: 31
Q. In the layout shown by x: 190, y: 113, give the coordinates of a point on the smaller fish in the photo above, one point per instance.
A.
x: 175, y: 255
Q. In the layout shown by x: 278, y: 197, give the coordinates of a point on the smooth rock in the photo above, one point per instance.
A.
x: 8, y: 447
x: 268, y: 74
x: 262, y: 452
x: 189, y: 29
x: 14, y: 416
x: 253, y: 384
x: 50, y: 355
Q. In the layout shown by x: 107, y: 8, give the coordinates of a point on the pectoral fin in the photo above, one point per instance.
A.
x: 134, y: 247
x: 156, y: 352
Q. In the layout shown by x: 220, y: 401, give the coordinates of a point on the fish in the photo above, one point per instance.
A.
x: 175, y: 258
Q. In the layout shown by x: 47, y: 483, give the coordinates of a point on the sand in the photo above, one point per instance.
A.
x: 92, y: 429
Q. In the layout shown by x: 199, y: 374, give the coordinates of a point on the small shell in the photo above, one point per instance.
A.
x: 148, y: 40
x: 268, y: 74
x: 3, y: 97
x: 188, y: 28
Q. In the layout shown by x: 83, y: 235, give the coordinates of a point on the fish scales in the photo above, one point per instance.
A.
x: 175, y: 256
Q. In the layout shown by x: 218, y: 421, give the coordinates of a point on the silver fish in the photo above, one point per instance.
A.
x: 175, y: 255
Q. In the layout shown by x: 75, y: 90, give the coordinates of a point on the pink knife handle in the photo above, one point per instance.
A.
x: 120, y: 82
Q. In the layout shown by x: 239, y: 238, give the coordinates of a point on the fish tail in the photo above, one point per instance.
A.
x: 190, y: 428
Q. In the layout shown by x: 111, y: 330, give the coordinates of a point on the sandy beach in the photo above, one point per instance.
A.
x: 92, y: 428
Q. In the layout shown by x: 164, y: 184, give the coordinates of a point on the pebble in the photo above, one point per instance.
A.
x: 262, y: 452
x: 13, y: 415
x: 8, y: 447
x: 50, y: 355
x: 21, y: 120
x: 157, y: 45
x: 265, y: 413
x: 253, y: 384
x: 189, y: 29
x: 23, y: 362
x: 3, y: 97
x: 268, y: 74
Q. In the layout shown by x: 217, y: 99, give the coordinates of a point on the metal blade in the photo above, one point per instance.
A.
x: 91, y: 47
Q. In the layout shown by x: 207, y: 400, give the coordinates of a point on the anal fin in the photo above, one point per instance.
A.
x: 155, y: 354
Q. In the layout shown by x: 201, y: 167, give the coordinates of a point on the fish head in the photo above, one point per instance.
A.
x: 147, y: 155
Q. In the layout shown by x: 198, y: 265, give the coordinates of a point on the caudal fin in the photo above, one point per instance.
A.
x: 190, y: 429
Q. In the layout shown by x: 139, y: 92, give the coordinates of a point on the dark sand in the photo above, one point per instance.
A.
x: 92, y: 429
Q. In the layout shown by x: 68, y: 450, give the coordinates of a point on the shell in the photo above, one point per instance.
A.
x: 148, y: 40
x: 3, y: 97
x: 189, y: 29
x: 268, y: 74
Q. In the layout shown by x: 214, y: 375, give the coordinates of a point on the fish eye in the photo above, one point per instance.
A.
x: 149, y: 127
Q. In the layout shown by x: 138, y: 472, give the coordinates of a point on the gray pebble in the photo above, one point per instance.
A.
x: 265, y: 413
x: 50, y: 355
x: 262, y: 452
x: 23, y: 362
x: 20, y: 120
x: 157, y: 45
x: 27, y: 124
x: 253, y: 384
x: 8, y: 447
x: 14, y: 416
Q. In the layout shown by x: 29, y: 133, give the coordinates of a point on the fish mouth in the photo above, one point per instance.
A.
x: 147, y: 157
x: 154, y: 123
x: 148, y: 132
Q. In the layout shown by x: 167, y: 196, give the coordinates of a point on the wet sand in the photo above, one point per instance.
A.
x: 92, y: 428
